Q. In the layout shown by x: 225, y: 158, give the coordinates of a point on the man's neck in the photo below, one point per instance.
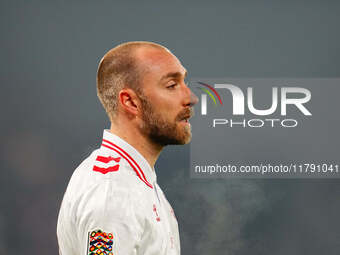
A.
x: 144, y: 146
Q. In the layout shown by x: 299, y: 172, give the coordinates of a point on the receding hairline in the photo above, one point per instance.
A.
x: 127, y: 54
x: 131, y: 49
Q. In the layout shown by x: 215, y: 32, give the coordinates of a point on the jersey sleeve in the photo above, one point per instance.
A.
x: 108, y: 222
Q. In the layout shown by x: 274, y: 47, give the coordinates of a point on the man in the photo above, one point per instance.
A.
x: 113, y: 204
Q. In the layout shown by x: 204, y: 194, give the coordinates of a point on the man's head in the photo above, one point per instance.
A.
x: 143, y: 83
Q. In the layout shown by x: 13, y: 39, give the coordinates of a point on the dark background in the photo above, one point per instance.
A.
x: 51, y: 119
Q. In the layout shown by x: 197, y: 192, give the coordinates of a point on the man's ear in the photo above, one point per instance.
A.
x: 129, y: 101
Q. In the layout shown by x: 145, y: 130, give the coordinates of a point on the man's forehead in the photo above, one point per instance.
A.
x: 159, y: 60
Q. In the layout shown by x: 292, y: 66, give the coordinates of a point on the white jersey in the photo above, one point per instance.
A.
x: 113, y: 205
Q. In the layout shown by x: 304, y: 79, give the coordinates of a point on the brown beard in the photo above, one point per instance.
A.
x: 161, y: 131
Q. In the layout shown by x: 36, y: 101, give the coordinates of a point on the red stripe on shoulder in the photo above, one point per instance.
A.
x: 107, y: 159
x: 127, y: 157
x: 106, y: 170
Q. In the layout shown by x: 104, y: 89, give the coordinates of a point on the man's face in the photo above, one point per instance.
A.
x: 166, y: 100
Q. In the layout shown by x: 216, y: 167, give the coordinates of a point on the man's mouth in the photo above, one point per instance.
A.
x: 185, y: 118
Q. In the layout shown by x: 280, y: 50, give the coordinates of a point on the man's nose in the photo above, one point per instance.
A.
x: 191, y: 98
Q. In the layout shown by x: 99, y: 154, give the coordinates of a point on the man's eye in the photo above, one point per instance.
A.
x: 172, y: 86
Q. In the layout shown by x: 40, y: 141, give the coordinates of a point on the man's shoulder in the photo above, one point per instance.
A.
x: 94, y: 189
x: 102, y: 168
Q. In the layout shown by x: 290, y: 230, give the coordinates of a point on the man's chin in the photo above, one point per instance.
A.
x: 185, y: 139
x: 183, y: 142
x: 184, y: 133
x: 175, y: 140
x: 178, y: 134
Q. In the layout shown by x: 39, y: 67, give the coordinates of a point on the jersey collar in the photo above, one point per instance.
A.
x: 138, y: 163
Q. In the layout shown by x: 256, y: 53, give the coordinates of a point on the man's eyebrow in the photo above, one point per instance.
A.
x: 173, y: 75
